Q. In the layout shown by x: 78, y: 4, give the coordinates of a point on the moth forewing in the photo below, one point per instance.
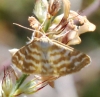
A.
x: 66, y: 59
x: 49, y: 58
x: 63, y: 45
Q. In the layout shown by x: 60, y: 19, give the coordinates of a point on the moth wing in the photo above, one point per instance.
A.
x: 18, y: 58
x: 32, y: 61
x: 28, y: 58
x: 65, y: 60
x: 58, y: 59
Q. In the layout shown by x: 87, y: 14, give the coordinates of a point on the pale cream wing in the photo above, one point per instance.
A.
x: 31, y: 59
x: 55, y: 59
x: 18, y: 58
x: 28, y: 58
x: 65, y: 60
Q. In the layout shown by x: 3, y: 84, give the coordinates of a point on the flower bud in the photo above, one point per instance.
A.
x: 54, y: 6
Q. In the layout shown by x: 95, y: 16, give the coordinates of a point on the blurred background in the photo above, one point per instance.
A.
x: 85, y: 83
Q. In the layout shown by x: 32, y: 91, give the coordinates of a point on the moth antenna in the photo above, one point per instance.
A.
x: 28, y: 38
x: 23, y: 27
x: 51, y: 33
x: 27, y: 28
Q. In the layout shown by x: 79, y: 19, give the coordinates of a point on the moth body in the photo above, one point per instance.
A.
x: 48, y: 57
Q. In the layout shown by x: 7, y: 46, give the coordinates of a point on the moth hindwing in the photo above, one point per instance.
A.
x: 49, y: 58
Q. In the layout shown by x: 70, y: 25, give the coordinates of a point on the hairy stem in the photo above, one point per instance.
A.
x: 18, y: 84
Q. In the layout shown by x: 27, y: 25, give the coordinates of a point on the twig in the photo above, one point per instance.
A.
x: 92, y: 8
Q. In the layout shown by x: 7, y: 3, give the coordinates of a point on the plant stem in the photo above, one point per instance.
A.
x: 47, y: 23
x: 18, y: 84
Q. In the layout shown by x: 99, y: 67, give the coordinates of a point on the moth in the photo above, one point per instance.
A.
x: 48, y: 57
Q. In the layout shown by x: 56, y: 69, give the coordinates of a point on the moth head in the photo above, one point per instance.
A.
x: 44, y: 42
